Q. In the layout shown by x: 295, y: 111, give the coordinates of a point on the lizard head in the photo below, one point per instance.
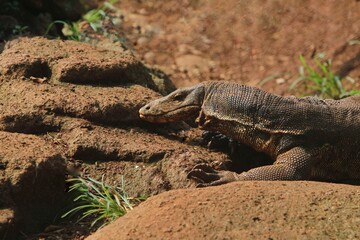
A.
x: 179, y: 105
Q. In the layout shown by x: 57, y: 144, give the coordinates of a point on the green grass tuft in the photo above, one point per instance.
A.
x: 103, y: 202
x: 322, y: 81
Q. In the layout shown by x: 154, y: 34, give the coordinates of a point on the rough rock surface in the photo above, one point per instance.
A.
x: 71, y: 61
x: 244, y: 210
x: 71, y: 106
x: 32, y: 181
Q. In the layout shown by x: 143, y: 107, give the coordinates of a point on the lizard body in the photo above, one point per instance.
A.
x: 308, y: 138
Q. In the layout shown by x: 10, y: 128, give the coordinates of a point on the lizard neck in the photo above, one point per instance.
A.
x: 232, y: 110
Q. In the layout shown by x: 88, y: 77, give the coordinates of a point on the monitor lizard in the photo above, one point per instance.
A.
x: 308, y: 138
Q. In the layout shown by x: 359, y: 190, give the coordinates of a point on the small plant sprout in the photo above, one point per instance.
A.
x: 103, y: 202
x: 94, y: 18
x: 70, y: 30
x: 19, y: 30
x: 321, y: 81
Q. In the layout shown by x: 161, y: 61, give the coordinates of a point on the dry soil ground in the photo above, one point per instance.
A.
x: 70, y: 105
x: 241, y: 40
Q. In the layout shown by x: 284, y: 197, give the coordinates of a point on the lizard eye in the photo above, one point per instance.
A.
x: 179, y: 97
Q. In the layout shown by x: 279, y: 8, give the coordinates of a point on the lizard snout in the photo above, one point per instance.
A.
x: 152, y: 112
x: 148, y: 111
x: 144, y: 110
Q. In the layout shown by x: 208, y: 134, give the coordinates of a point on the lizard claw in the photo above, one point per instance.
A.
x: 207, y: 176
x: 205, y: 167
x: 203, y: 173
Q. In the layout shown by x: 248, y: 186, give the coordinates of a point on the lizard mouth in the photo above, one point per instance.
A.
x: 178, y: 114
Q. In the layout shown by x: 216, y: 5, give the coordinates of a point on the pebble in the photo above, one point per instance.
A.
x: 149, y: 56
x: 280, y: 81
x: 142, y: 40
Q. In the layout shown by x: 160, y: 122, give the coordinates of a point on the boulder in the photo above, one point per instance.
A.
x: 244, y: 210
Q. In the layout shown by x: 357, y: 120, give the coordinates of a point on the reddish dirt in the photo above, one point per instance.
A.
x: 244, y: 210
x: 91, y: 126
x: 74, y: 105
x: 243, y: 41
x: 32, y: 182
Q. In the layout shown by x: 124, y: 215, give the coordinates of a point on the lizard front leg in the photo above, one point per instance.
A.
x: 294, y: 164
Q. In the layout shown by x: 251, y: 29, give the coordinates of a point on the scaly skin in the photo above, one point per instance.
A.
x: 308, y: 138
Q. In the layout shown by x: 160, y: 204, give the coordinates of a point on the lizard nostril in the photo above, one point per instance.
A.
x: 147, y: 107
